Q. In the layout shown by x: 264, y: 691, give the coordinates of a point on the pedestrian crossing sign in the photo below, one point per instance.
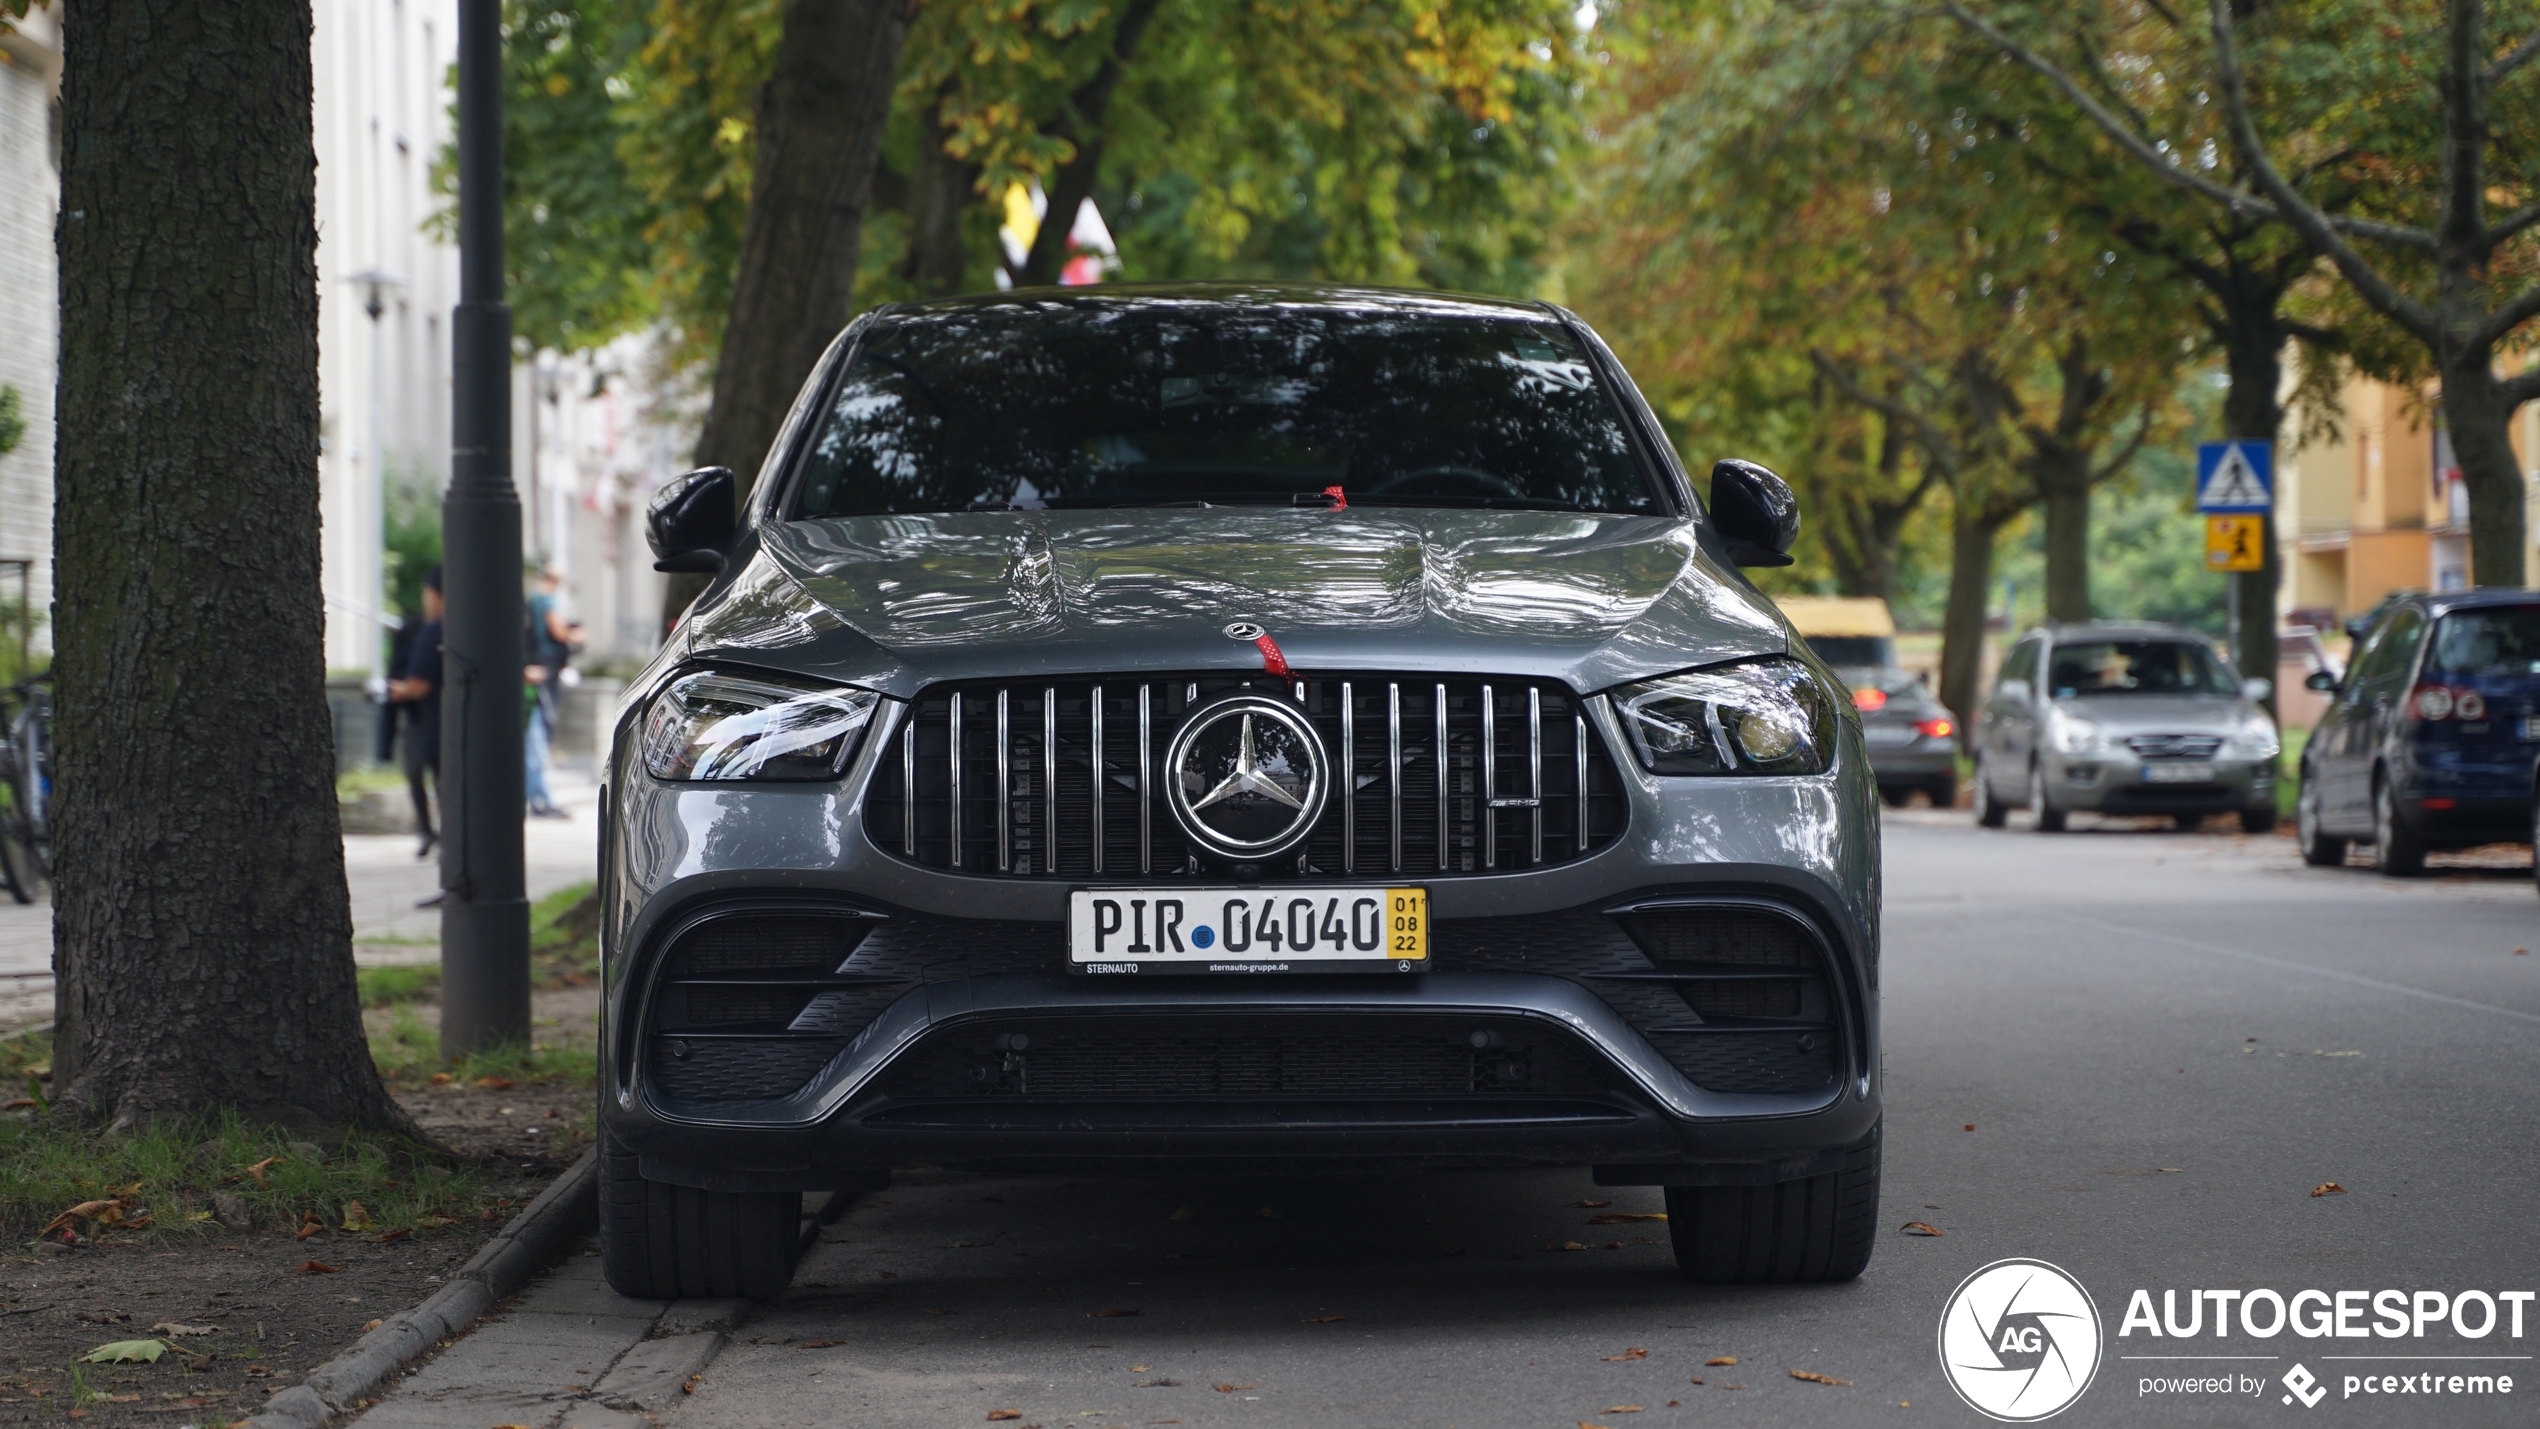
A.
x: 2235, y: 477
x: 2235, y: 543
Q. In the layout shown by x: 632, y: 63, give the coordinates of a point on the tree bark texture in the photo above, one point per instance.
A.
x: 202, y: 928
x: 2479, y: 412
x: 1972, y: 529
x: 2065, y: 483
x: 942, y: 195
x: 820, y: 118
x: 2253, y: 339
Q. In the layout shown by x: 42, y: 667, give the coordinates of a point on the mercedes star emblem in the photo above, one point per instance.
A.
x: 1247, y: 777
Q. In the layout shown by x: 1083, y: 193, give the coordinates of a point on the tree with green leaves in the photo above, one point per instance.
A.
x: 2385, y: 135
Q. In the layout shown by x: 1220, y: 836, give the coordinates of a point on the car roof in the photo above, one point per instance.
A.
x: 1231, y: 295
x: 2475, y: 599
x: 2122, y: 630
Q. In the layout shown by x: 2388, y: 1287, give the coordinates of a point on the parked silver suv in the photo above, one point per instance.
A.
x: 2123, y: 719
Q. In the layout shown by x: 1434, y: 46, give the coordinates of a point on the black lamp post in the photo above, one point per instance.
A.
x: 485, y: 917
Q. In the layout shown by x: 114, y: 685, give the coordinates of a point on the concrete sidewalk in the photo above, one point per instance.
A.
x: 386, y: 881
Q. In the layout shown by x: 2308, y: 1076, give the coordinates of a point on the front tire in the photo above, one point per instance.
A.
x: 2050, y: 820
x: 2319, y: 849
x: 665, y: 1242
x: 1817, y: 1229
x: 1989, y: 810
x: 2396, y: 849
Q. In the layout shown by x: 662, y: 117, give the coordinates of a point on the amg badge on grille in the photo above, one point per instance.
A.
x: 1246, y: 776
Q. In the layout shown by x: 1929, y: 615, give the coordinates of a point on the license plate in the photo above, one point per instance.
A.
x: 1887, y: 736
x: 2531, y: 726
x: 2198, y: 772
x: 1248, y: 930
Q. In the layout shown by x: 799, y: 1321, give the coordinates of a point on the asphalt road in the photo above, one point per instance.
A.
x: 2163, y: 1043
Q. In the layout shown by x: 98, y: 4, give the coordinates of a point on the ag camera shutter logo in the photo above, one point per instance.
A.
x: 2019, y: 1340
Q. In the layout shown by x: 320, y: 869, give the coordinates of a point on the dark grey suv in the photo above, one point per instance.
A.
x: 1264, y: 728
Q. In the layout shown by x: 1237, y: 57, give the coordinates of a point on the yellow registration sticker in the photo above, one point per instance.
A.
x: 1407, y: 924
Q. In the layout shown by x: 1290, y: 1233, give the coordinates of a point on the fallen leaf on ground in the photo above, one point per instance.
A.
x: 1583, y: 1424
x: 441, y: 1079
x: 1813, y: 1377
x: 316, y: 1267
x: 372, y: 1325
x: 1971, y: 1126
x: 175, y: 1330
x: 1229, y: 1388
x: 123, y: 1351
x: 2328, y: 1188
x: 1325, y: 1319
x: 1697, y: 1379
x: 434, y: 1223
x: 1920, y: 1228
x: 495, y: 1084
x: 104, y: 1213
x: 201, y: 1363
x: 1634, y: 1353
x: 1114, y: 1314
x: 392, y: 1237
x: 258, y: 1170
x: 1566, y: 1245
x: 1591, y: 1205
x: 310, y: 1224
x: 1156, y: 1384
x: 19, y: 1104
x: 1717, y: 1360
x: 1625, y: 1218
x: 1137, y: 1369
x: 1622, y: 1409
x: 995, y: 1415
x: 821, y: 1344
x: 357, y: 1217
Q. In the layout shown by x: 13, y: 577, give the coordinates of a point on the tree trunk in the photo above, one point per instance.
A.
x: 2480, y: 415
x: 1083, y: 125
x: 2063, y: 479
x: 820, y: 119
x: 942, y: 191
x: 1971, y: 534
x: 202, y: 929
x: 2253, y: 351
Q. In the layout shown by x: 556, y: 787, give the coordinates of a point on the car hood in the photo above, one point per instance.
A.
x: 2122, y: 715
x: 1589, y: 599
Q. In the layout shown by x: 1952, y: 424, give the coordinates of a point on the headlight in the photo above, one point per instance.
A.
x: 1762, y: 717
x: 728, y: 725
x: 2071, y: 734
x: 2255, y: 739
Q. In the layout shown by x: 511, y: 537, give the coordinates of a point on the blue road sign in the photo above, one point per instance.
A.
x: 2235, y: 478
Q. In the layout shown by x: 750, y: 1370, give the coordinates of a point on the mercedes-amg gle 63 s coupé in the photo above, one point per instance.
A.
x: 1289, y: 728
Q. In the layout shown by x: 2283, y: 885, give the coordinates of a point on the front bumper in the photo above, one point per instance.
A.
x: 1808, y: 845
x: 2123, y: 783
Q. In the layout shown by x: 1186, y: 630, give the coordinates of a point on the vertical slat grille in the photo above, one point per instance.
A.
x: 1078, y: 791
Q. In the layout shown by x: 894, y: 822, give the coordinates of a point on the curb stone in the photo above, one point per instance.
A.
x: 560, y: 1215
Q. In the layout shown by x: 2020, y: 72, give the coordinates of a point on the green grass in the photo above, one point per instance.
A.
x: 405, y: 982
x: 171, y: 1171
x: 373, y: 779
x: 564, y: 951
x: 2288, y: 782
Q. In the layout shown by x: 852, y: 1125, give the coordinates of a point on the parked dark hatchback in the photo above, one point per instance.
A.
x: 2430, y: 740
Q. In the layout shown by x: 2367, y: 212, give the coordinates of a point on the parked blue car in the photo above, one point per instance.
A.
x: 2431, y: 740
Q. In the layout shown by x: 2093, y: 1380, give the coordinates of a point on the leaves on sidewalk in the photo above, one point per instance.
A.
x: 1925, y: 1228
x: 316, y: 1267
x: 1622, y: 1409
x: 357, y: 1217
x: 1229, y: 1388
x: 1000, y: 1415
x: 103, y: 1213
x: 126, y: 1352
x: 173, y: 1330
x: 1718, y: 1360
x: 311, y: 1223
x: 1566, y: 1245
x: 1813, y: 1377
x: 1634, y: 1353
x: 2328, y: 1188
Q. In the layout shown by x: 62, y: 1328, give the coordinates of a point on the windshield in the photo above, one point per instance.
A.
x: 2137, y: 667
x: 2501, y: 641
x: 1071, y: 404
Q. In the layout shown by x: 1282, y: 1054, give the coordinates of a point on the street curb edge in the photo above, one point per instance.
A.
x: 560, y: 1214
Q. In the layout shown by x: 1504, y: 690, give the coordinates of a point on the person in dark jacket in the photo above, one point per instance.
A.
x: 415, y: 687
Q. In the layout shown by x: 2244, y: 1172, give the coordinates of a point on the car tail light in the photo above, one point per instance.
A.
x: 1869, y: 699
x: 1937, y: 728
x: 2441, y: 702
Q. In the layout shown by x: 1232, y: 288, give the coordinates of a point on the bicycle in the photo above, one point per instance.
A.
x: 26, y: 788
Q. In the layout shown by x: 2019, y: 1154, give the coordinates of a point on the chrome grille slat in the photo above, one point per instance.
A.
x: 1446, y: 840
x: 956, y: 780
x: 1080, y: 794
x: 1005, y: 790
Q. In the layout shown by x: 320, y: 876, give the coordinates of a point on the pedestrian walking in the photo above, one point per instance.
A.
x: 414, y: 688
x: 548, y: 643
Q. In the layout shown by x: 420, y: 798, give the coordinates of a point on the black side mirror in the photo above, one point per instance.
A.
x: 1756, y: 514
x: 691, y: 520
x: 2321, y: 681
